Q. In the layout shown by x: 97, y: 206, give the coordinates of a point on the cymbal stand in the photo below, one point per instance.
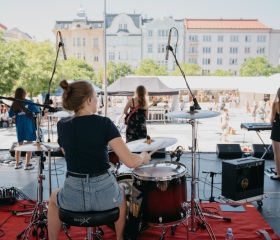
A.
x: 38, y: 219
x: 193, y: 182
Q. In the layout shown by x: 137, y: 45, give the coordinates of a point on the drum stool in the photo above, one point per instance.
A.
x: 91, y: 220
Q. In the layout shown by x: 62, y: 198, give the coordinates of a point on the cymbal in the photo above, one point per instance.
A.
x: 144, y: 145
x: 60, y: 114
x: 37, y: 147
x: 196, y: 114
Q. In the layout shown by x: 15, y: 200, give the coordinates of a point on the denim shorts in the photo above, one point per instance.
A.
x: 90, y: 194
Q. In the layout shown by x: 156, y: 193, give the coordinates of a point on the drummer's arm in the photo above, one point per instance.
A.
x: 130, y: 159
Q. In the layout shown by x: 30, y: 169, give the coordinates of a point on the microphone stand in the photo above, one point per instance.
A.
x: 193, y: 148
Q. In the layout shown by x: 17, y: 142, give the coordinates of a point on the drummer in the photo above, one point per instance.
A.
x: 84, y: 139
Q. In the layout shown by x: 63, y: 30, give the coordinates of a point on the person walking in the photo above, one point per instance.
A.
x: 224, y: 125
x: 136, y: 125
x: 25, y: 124
x: 275, y: 134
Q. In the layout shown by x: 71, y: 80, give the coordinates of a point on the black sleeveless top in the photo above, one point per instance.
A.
x: 275, y: 132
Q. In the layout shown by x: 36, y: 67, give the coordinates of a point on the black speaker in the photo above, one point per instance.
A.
x: 260, y: 149
x: 229, y: 151
x: 242, y: 178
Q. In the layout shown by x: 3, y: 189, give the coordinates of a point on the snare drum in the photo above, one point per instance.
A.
x: 164, y: 190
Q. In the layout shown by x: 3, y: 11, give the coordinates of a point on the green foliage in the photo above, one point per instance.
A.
x: 258, y: 66
x: 148, y: 67
x: 11, y: 65
x: 76, y: 69
x: 190, y: 69
x: 220, y: 72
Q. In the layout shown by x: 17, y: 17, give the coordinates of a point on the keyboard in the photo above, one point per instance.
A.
x: 256, y: 126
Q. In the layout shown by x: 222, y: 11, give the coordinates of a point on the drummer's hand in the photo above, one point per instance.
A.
x: 146, y: 157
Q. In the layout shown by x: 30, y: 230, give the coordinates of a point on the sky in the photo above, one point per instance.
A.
x: 37, y: 17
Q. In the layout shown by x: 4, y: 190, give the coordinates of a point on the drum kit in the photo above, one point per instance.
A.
x: 157, y: 192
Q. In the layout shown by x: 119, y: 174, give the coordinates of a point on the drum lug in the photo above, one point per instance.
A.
x: 138, y: 182
x: 160, y: 219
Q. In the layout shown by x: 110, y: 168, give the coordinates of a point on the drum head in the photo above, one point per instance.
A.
x: 160, y: 171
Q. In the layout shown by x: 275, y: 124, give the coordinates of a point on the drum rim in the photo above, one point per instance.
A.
x: 159, y: 179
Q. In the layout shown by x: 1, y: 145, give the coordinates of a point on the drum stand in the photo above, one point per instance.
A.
x: 38, y: 219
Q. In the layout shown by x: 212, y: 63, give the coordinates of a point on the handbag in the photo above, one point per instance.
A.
x: 127, y: 117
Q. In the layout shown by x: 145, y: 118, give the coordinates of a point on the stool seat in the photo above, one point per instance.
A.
x: 90, y: 218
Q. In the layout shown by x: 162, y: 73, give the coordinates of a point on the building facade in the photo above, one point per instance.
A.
x: 83, y: 38
x: 155, y: 35
x: 224, y: 44
x: 213, y: 44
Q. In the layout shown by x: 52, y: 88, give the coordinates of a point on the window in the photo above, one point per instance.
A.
x: 234, y: 38
x: 233, y: 50
x: 192, y: 60
x: 261, y: 38
x: 111, y: 56
x: 84, y: 42
x: 247, y: 50
x: 205, y: 72
x: 78, y: 41
x: 193, y: 50
x: 206, y: 50
x: 219, y: 50
x: 193, y: 38
x: 233, y: 61
x: 220, y: 38
x: 260, y: 50
x: 95, y: 42
x: 219, y: 61
x: 162, y: 33
x: 95, y: 58
x: 206, y: 61
x: 247, y: 38
x: 150, y: 48
x: 74, y: 42
x: 161, y: 48
x: 150, y: 33
x: 206, y: 38
x: 78, y: 55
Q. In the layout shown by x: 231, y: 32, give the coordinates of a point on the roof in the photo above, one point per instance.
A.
x: 224, y: 24
x: 265, y: 85
x: 126, y: 86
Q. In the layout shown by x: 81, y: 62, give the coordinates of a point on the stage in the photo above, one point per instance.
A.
x: 245, y: 224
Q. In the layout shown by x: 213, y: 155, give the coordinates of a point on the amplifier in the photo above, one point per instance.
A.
x: 242, y: 178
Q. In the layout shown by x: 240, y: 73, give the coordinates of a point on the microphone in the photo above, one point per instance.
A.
x: 61, y: 44
x: 168, y: 47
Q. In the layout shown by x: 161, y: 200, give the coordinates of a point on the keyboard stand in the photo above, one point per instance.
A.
x: 267, y: 149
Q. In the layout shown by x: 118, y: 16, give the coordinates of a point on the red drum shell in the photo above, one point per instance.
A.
x: 162, y: 198
x: 113, y: 158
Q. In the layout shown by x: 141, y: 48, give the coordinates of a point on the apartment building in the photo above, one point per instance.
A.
x: 214, y: 44
x: 155, y: 34
x: 124, y: 38
x: 83, y: 38
x: 223, y: 44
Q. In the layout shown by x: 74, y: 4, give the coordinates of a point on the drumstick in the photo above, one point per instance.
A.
x: 159, y: 147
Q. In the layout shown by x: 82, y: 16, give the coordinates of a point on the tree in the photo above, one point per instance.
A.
x: 148, y: 67
x: 258, y: 66
x: 39, y: 62
x: 220, y: 72
x: 11, y: 65
x: 189, y: 69
x: 76, y: 69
